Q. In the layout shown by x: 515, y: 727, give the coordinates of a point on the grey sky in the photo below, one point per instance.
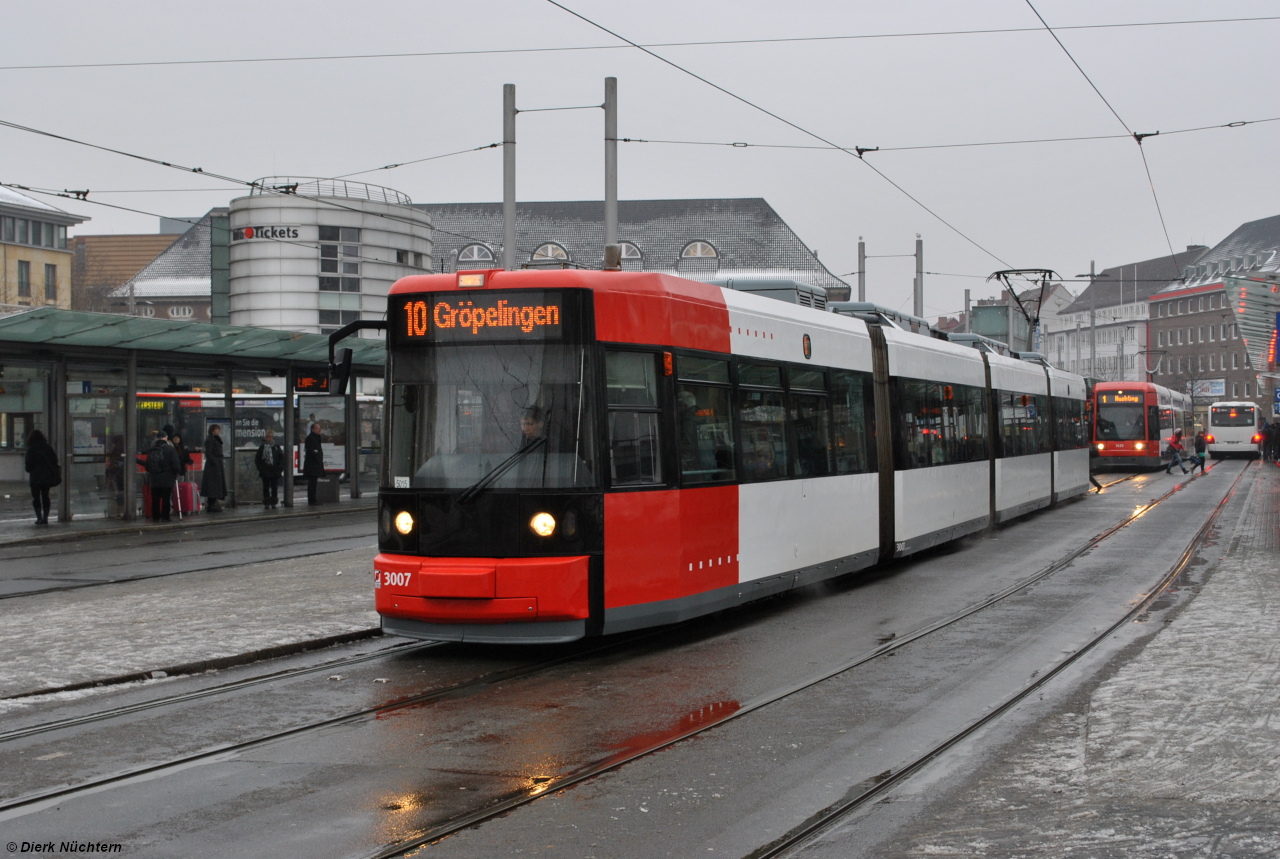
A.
x: 1055, y: 205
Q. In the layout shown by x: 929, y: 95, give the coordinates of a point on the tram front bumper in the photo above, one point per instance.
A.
x: 481, y: 590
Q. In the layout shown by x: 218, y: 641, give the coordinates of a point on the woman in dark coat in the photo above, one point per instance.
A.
x: 312, y: 461
x: 214, y: 485
x: 184, y: 458
x: 42, y: 466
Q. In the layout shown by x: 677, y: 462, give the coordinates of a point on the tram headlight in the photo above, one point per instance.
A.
x: 1101, y: 445
x: 1140, y: 446
x: 543, y: 524
x: 404, y: 522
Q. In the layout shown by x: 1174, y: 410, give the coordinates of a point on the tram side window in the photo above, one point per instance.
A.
x: 965, y: 423
x: 631, y: 383
x: 762, y: 419
x: 918, y: 423
x: 1070, y: 432
x: 809, y: 419
x: 705, y: 420
x: 853, y: 423
x: 1024, y: 424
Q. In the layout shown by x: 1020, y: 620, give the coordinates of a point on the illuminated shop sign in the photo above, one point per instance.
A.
x: 476, y: 317
x: 275, y: 233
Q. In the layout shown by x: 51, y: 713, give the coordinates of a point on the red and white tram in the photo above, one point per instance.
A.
x: 1134, y: 421
x: 576, y: 453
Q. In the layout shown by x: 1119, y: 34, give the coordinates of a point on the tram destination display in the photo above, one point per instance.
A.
x: 1120, y: 398
x: 477, y: 317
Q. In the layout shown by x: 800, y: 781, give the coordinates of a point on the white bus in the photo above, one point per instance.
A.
x: 1234, y: 429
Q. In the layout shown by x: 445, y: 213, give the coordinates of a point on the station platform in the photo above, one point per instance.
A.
x: 22, y: 530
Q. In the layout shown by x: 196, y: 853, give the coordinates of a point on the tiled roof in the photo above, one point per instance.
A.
x: 110, y: 260
x: 1138, y: 280
x: 748, y: 235
x: 185, y: 261
x: 1252, y: 247
x: 10, y: 197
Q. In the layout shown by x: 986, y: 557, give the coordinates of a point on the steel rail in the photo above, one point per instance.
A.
x: 832, y: 813
x: 503, y: 676
x: 277, y: 676
x: 589, y: 771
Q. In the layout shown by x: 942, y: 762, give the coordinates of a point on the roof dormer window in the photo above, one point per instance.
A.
x: 698, y: 250
x: 550, y: 252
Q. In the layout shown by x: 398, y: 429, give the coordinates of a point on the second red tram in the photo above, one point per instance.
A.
x: 574, y: 453
x: 1134, y: 421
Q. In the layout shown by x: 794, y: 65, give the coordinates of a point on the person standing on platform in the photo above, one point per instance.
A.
x: 44, y: 473
x: 270, y: 463
x: 163, y: 469
x: 214, y: 485
x: 313, y: 461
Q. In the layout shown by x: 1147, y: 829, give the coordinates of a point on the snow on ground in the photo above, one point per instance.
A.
x: 1176, y: 754
x: 60, y: 638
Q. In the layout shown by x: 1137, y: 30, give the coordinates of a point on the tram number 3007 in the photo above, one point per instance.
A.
x: 394, y: 580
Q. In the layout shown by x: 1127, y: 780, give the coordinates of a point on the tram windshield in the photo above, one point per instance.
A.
x: 1121, y: 422
x: 1231, y: 416
x: 510, y: 415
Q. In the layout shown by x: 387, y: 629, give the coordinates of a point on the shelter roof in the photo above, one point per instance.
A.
x: 203, y: 343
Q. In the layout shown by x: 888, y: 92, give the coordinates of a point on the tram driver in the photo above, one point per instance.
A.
x: 533, y: 426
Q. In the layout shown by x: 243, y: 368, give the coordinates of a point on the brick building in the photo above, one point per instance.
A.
x: 1196, y: 339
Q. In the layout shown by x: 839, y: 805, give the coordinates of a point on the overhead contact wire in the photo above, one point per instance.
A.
x: 783, y: 120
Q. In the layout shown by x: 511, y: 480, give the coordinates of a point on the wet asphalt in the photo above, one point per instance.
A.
x: 97, y: 560
x: 351, y: 788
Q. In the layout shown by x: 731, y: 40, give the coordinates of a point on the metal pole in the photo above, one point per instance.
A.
x: 1093, y: 322
x: 290, y: 441
x: 968, y: 314
x: 509, y: 176
x: 61, y: 433
x: 862, y: 269
x: 353, y: 440
x: 129, y: 465
x: 229, y: 404
x: 919, y: 296
x: 610, y: 161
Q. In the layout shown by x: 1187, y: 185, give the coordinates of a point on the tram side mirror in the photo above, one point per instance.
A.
x: 340, y: 372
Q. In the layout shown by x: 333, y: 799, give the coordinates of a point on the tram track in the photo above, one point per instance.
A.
x: 873, y: 788
x: 228, y: 749
x: 507, y: 804
x: 714, y: 718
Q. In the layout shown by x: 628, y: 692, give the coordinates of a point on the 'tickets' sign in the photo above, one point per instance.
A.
x: 275, y: 233
x: 474, y: 317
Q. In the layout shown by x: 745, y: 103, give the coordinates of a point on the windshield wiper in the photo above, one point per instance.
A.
x: 498, y: 470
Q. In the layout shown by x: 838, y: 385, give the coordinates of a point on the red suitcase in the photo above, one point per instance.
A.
x: 188, y: 498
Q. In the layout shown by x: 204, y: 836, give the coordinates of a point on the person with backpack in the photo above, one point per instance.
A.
x: 45, y: 473
x: 214, y: 485
x: 270, y: 463
x: 163, y: 469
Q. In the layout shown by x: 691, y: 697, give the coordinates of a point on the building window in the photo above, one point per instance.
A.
x: 343, y: 255
x: 183, y: 312
x: 338, y: 317
x: 1235, y: 390
x: 1213, y: 333
x: 145, y: 310
x: 1235, y: 331
x: 1179, y: 336
x: 550, y: 252
x: 472, y: 255
x: 1211, y: 363
x: 698, y: 250
x: 630, y: 251
x: 24, y: 278
x: 1246, y: 390
x: 6, y: 229
x: 1213, y: 302
x: 1200, y: 363
x: 62, y: 237
x: 50, y: 282
x: 1200, y: 335
x: 21, y: 236
x: 1235, y: 360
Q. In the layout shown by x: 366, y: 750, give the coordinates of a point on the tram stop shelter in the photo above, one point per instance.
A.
x: 78, y: 377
